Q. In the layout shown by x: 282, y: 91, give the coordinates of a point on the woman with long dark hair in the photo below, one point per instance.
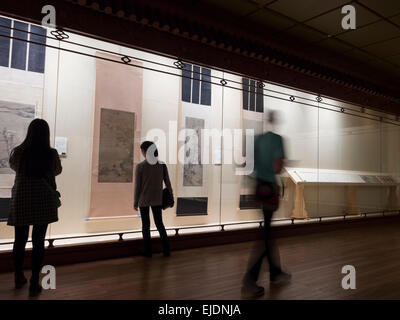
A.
x: 149, y: 178
x: 34, y: 200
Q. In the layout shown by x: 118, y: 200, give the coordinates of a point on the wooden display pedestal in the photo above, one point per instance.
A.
x: 351, y: 180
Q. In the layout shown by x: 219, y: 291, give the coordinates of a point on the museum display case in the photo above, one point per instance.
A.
x: 102, y: 100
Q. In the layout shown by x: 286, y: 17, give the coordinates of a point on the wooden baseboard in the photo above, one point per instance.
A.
x: 71, y: 254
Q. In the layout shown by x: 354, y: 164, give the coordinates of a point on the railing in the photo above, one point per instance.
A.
x: 290, y: 221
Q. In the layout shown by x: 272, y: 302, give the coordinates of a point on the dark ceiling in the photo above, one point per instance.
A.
x: 375, y: 42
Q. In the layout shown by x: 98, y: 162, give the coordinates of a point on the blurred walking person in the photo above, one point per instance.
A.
x: 35, y: 199
x: 269, y: 156
x: 149, y: 177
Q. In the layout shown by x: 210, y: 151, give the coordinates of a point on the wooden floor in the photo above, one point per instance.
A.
x: 314, y: 260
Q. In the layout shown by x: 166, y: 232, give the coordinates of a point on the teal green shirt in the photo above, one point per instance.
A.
x: 267, y: 147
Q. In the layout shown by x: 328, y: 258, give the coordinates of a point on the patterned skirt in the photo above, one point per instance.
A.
x: 32, y: 203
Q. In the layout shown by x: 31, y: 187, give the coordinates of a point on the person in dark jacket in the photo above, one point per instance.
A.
x: 34, y: 199
x: 149, y: 177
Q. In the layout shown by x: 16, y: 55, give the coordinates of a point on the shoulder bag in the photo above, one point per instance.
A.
x: 167, y: 199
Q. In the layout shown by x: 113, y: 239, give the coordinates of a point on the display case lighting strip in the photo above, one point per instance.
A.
x: 291, y: 221
x: 222, y: 81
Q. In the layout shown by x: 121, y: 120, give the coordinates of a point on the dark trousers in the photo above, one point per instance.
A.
x: 157, y: 215
x: 21, y: 237
x: 267, y: 249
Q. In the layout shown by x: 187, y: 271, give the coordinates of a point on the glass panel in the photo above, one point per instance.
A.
x: 73, y: 121
x: 158, y: 103
x: 350, y: 164
x: 297, y: 122
x: 390, y: 164
x: 237, y: 201
x: 25, y: 95
x: 198, y: 177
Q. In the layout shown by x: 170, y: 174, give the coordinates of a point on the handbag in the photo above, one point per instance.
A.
x: 167, y: 199
x: 53, y: 193
x: 268, y: 195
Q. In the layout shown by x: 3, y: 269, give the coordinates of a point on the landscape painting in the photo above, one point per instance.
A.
x: 116, y: 146
x: 192, y: 168
x: 14, y: 122
x: 117, y: 123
